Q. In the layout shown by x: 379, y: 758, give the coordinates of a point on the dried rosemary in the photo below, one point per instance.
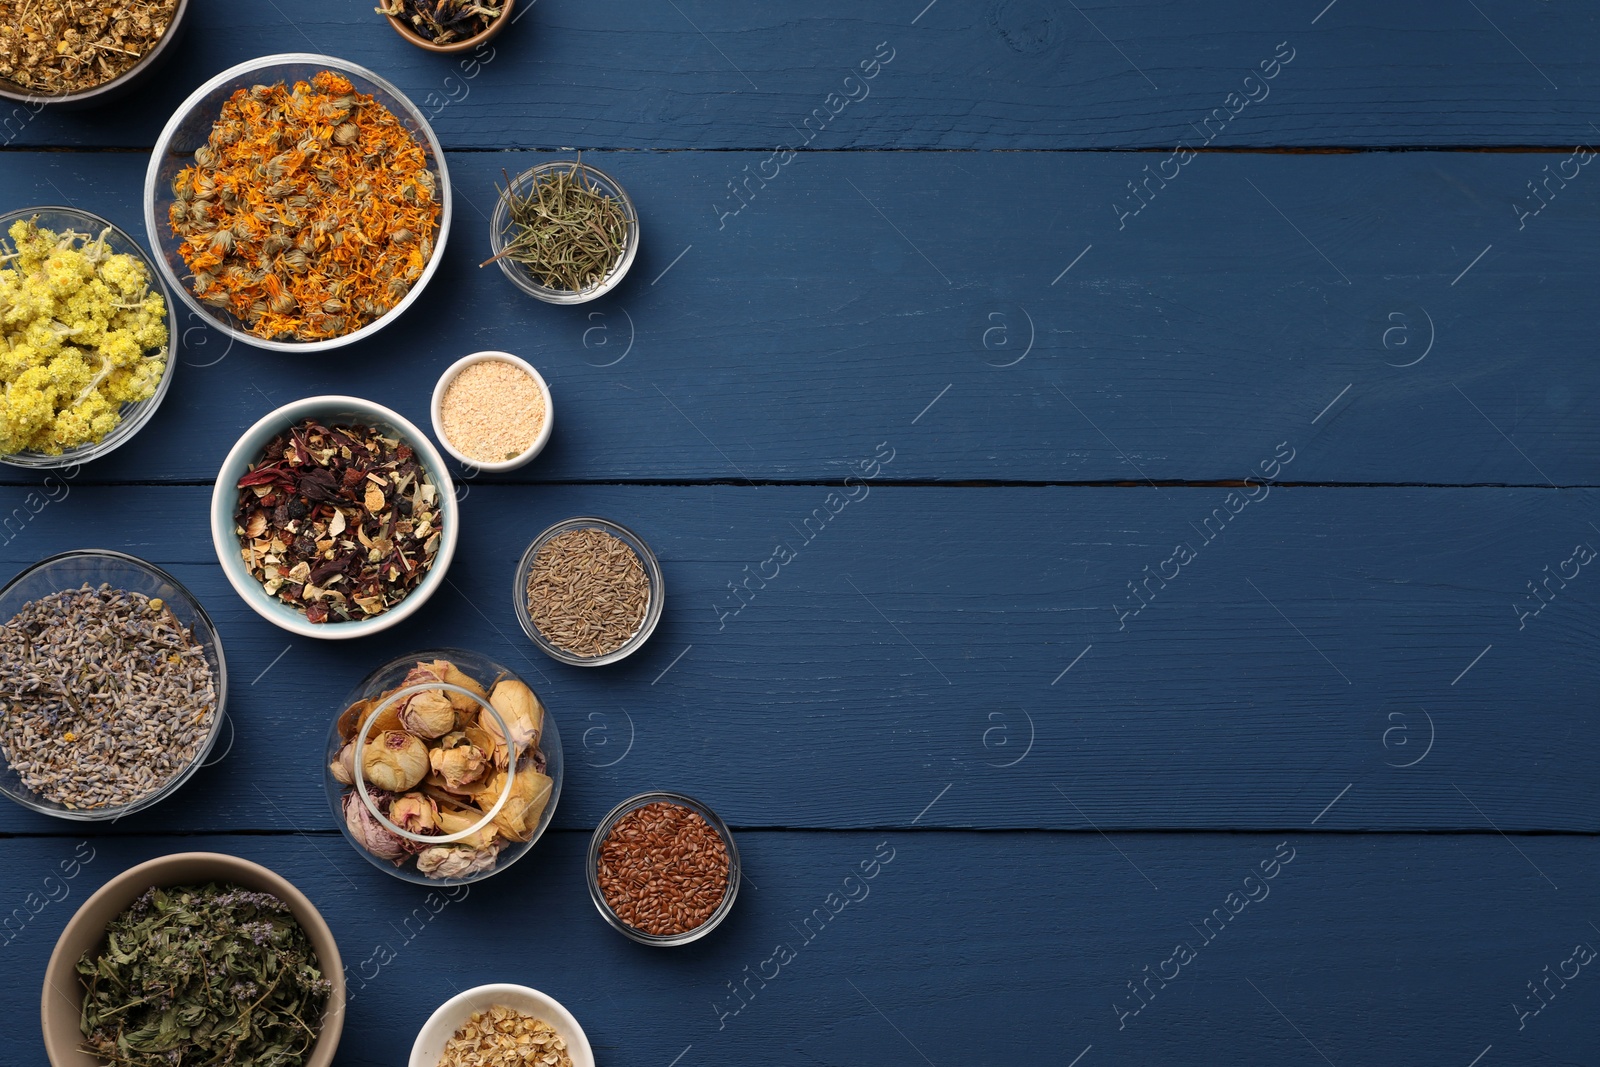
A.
x: 67, y: 46
x: 444, y: 21
x: 206, y: 974
x: 566, y: 231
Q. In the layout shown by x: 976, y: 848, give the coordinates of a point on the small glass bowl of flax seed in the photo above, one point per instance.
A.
x: 663, y: 869
x: 492, y: 411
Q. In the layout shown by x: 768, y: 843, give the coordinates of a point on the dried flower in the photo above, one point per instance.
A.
x: 343, y: 767
x: 394, y: 760
x: 460, y: 763
x: 428, y: 714
x: 523, y: 714
x: 371, y: 834
x: 275, y: 171
x: 452, y: 861
x: 415, y: 814
x: 530, y: 792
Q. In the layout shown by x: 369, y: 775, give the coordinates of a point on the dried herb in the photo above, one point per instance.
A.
x: 439, y: 764
x: 212, y: 974
x: 587, y: 592
x: 309, y: 213
x: 341, y: 522
x: 565, y: 230
x: 505, y: 1037
x: 106, y: 696
x: 443, y: 21
x: 81, y: 335
x: 53, y: 47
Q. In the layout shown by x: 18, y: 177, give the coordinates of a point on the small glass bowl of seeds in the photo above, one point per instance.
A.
x: 663, y: 869
x: 492, y: 411
x: 112, y: 685
x: 588, y: 592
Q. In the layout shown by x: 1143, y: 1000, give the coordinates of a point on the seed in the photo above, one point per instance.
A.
x: 587, y: 592
x: 674, y: 861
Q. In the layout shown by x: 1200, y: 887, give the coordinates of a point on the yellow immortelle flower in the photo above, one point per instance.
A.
x: 81, y: 335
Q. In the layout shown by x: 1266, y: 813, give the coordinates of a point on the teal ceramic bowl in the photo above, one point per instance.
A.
x: 327, y: 410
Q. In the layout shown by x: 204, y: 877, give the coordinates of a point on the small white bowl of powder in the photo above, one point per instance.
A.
x: 492, y: 411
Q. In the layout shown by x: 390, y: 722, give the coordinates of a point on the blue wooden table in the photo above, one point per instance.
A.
x: 1206, y: 674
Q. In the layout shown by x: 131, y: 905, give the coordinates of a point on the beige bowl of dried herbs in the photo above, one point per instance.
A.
x: 80, y: 53
x: 282, y: 926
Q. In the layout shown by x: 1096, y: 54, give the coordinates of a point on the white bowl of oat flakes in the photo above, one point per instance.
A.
x: 492, y: 411
x: 497, y: 1026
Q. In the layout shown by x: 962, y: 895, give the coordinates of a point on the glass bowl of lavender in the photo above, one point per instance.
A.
x: 443, y: 767
x: 114, y: 685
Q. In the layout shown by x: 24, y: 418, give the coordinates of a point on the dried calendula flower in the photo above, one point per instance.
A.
x: 395, y: 761
x: 324, y: 170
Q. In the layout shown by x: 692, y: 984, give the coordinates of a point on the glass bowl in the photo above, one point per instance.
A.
x: 500, y: 226
x: 106, y: 91
x: 376, y: 703
x: 134, y: 416
x: 652, y: 611
x: 70, y: 570
x: 592, y: 869
x: 225, y: 494
x: 189, y: 128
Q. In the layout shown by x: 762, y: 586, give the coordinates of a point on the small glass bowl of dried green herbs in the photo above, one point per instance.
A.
x: 564, y: 232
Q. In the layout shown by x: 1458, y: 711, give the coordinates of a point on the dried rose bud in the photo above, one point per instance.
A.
x: 415, y: 814
x: 343, y: 767
x: 460, y: 765
x: 445, y: 861
x: 523, y: 715
x: 428, y: 714
x: 369, y: 833
x: 394, y: 760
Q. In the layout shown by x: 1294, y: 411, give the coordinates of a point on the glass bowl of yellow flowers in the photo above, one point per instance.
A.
x: 443, y: 768
x: 85, y: 337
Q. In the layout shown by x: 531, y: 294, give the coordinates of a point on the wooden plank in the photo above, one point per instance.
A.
x: 963, y: 947
x: 935, y: 644
x: 1022, y: 74
x: 825, y: 319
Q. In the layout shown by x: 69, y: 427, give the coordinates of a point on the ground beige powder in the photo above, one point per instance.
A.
x: 492, y: 411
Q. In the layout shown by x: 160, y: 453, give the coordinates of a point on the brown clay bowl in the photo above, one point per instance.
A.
x: 107, y: 91
x: 61, y: 1006
x: 464, y: 45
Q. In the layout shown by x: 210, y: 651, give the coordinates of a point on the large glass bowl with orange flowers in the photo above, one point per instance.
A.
x: 443, y: 768
x: 297, y: 202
